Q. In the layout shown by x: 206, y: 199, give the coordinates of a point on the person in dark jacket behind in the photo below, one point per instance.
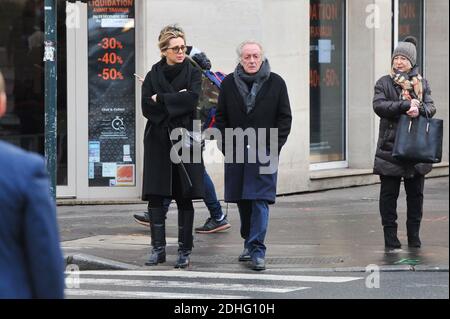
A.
x: 31, y: 261
x: 170, y: 94
x: 404, y: 91
x: 252, y: 99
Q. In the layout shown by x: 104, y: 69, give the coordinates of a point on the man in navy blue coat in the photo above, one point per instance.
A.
x: 31, y: 262
x: 253, y: 100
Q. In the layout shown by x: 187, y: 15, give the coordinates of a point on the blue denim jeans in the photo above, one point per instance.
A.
x: 254, y: 222
x: 214, y: 207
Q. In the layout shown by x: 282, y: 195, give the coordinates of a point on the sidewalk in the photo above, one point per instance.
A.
x: 330, y: 231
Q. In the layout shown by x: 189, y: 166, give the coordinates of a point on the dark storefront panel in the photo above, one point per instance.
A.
x: 21, y: 62
x: 112, y: 114
x: 327, y: 81
x: 410, y: 23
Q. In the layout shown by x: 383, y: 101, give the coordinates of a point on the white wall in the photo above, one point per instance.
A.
x: 437, y: 60
x: 369, y: 54
x: 217, y: 27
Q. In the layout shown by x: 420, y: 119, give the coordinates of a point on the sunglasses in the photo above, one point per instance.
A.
x: 178, y: 48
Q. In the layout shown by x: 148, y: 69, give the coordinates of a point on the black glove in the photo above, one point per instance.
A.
x: 202, y: 60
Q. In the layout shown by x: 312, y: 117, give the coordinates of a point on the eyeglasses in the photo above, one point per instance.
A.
x: 178, y: 48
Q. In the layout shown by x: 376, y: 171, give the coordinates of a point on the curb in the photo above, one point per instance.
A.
x: 431, y: 268
x: 78, y: 202
x: 89, y: 262
x: 394, y: 268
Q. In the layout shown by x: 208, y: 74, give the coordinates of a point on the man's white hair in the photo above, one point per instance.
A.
x: 243, y: 44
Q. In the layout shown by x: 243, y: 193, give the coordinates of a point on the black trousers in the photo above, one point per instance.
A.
x: 390, y: 189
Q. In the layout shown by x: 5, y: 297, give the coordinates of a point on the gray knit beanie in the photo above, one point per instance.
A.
x: 407, y: 48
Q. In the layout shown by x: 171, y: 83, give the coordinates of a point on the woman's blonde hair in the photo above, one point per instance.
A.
x: 168, y: 33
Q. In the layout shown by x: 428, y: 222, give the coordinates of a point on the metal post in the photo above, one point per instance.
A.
x: 50, y: 90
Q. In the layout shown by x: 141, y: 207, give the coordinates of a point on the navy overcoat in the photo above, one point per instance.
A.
x: 31, y: 261
x: 244, y: 180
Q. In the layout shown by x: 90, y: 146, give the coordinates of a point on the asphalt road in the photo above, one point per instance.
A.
x: 269, y: 285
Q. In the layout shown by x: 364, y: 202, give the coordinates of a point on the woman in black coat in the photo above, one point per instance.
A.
x: 404, y: 91
x: 170, y: 95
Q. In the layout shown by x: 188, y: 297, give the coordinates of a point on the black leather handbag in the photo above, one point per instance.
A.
x: 418, y: 139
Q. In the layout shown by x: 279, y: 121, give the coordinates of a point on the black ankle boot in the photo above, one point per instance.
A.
x: 390, y: 238
x: 185, y: 238
x: 157, y: 256
x: 158, y: 233
x: 183, y: 260
x: 413, y: 236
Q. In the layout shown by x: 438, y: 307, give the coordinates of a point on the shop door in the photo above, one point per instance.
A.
x: 102, y: 92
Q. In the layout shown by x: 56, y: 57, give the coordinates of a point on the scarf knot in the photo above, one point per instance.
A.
x: 410, y: 82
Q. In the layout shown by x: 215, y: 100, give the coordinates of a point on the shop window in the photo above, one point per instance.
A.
x: 327, y: 81
x: 21, y: 62
x: 410, y: 22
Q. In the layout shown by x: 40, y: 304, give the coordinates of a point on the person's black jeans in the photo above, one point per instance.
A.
x: 390, y: 189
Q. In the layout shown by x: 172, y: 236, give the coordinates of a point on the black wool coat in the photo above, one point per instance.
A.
x: 244, y: 181
x: 388, y: 105
x: 173, y: 109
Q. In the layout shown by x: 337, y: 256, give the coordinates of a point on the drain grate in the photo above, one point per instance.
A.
x: 274, y: 260
x: 304, y: 260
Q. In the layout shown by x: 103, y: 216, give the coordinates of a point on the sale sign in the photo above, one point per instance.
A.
x: 112, y: 100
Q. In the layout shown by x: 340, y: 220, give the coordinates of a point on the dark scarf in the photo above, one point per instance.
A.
x: 171, y: 78
x: 255, y: 81
x: 410, y: 82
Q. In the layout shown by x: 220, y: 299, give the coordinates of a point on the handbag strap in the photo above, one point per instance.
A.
x: 426, y: 111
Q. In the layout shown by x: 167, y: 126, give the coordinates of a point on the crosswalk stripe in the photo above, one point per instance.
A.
x: 217, y: 275
x: 144, y: 294
x: 184, y: 284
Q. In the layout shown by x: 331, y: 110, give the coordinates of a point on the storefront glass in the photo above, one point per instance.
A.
x: 21, y: 62
x: 327, y: 81
x: 410, y: 23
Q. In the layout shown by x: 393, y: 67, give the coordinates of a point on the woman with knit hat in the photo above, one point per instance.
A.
x: 403, y: 91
